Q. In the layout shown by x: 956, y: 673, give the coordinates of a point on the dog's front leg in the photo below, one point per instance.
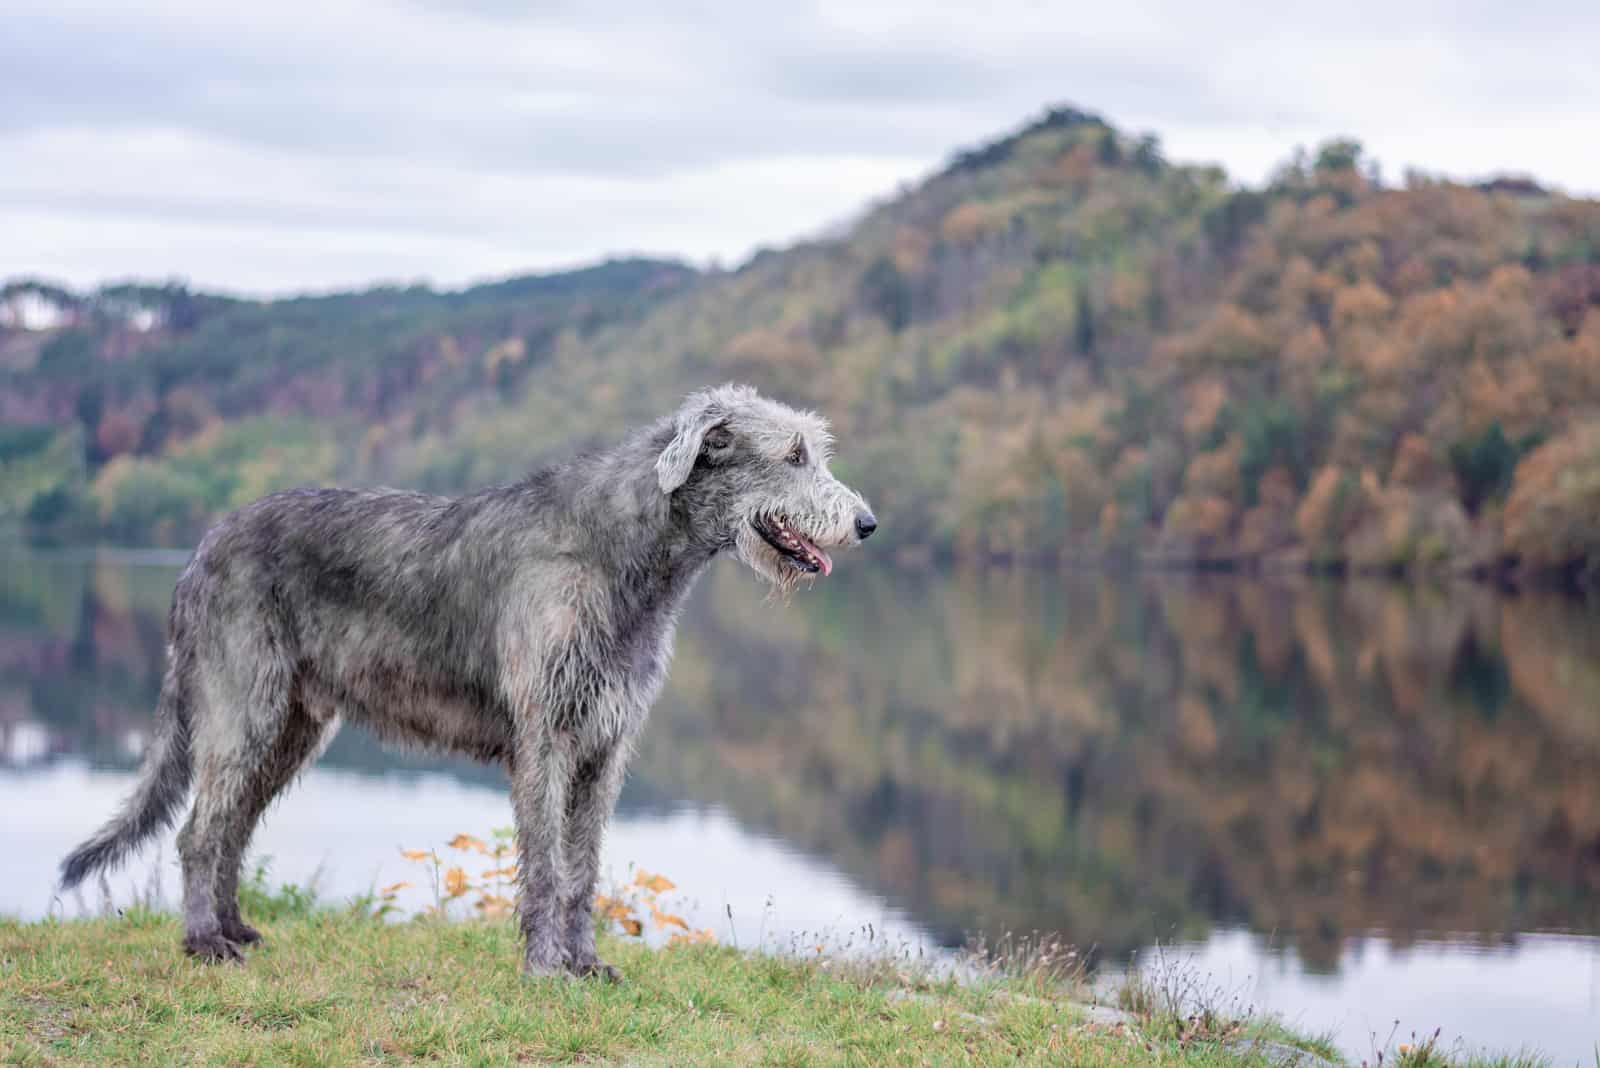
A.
x: 541, y: 768
x: 590, y: 799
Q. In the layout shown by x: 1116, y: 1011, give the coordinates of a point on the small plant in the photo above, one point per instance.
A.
x: 259, y: 899
x: 1418, y: 1053
x: 1038, y: 961
x: 628, y: 906
x: 450, y: 883
x: 627, y: 909
x: 1174, y: 1000
x: 1424, y: 1052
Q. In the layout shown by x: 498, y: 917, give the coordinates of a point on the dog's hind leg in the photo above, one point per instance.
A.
x: 295, y: 746
x: 239, y: 740
x: 218, y: 803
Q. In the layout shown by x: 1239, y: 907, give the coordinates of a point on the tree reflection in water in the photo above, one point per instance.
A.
x: 1113, y: 759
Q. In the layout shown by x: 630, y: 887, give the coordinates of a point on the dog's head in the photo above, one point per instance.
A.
x: 756, y: 473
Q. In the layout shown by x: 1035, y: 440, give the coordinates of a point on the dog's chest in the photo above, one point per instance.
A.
x: 603, y: 690
x: 593, y: 654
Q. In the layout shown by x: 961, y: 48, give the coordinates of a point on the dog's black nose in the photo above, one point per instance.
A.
x: 865, y: 525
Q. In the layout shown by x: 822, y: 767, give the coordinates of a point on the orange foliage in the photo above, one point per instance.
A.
x: 1552, y: 517
x: 968, y: 223
x: 1332, y: 504
x: 1216, y: 473
x: 1362, y: 304
x: 1206, y: 400
x: 1197, y: 525
x: 1230, y: 336
x: 766, y: 346
x: 1415, y: 464
x: 910, y: 252
x: 1074, y: 167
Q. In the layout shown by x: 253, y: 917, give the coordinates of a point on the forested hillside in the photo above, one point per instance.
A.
x: 137, y: 413
x: 1059, y: 347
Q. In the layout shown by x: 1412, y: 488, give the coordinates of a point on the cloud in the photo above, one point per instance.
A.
x: 308, y: 145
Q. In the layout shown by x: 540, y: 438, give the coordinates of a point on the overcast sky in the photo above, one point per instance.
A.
x: 322, y: 143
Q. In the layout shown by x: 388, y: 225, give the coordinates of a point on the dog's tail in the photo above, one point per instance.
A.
x: 163, y: 784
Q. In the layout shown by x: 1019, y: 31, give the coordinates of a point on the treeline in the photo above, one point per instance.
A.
x: 1061, y: 347
x: 138, y: 414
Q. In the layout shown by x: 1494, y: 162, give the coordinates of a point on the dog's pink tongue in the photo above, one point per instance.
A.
x: 822, y: 557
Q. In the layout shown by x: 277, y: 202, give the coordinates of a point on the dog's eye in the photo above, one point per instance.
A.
x: 797, y: 455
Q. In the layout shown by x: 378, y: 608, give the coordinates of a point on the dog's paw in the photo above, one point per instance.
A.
x: 212, y: 948
x: 537, y: 967
x: 595, y: 968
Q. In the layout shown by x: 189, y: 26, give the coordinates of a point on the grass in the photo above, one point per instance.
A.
x: 1173, y: 1001
x: 338, y: 986
x: 1424, y: 1052
x: 332, y: 987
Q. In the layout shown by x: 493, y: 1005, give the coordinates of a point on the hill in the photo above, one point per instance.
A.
x: 1059, y: 347
x: 138, y: 413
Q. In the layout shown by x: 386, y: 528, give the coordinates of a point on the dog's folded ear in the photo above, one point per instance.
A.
x: 699, y: 424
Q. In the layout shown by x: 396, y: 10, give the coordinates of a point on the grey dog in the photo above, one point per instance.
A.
x: 529, y: 624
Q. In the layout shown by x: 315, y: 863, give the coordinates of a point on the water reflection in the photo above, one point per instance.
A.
x: 1123, y: 760
x: 1114, y: 760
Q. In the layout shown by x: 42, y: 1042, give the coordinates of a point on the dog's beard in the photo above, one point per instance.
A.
x: 764, y: 560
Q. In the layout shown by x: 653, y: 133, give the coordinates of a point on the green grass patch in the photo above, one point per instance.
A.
x: 331, y: 987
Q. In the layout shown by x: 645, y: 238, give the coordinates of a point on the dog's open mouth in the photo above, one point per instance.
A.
x: 801, y: 552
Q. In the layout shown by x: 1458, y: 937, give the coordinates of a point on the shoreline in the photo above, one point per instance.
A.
x: 1505, y: 577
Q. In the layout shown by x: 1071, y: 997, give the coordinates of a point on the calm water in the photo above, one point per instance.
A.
x: 1349, y: 804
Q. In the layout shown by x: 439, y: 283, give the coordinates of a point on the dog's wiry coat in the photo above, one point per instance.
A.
x: 529, y: 625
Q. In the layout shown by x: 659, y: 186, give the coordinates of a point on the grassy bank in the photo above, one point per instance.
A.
x: 334, y: 988
x: 340, y: 985
x: 337, y: 988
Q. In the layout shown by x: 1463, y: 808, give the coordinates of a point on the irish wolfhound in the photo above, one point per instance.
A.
x: 529, y: 624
